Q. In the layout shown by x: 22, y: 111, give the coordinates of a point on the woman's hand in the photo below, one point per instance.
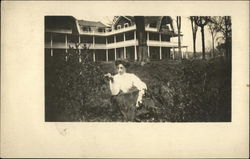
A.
x: 109, y: 76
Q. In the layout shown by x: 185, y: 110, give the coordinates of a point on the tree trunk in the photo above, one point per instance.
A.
x: 203, y: 42
x: 194, y: 31
x: 213, y: 53
x: 194, y: 45
x: 142, y: 41
x: 179, y: 44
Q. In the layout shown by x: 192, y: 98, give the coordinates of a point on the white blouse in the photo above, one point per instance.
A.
x: 125, y: 82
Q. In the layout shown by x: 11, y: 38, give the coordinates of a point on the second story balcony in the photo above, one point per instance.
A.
x: 112, y: 32
x: 162, y: 43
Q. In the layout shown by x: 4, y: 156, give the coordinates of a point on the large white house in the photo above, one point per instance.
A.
x: 109, y: 43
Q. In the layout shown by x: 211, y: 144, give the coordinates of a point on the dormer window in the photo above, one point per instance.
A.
x: 126, y: 25
x: 119, y: 26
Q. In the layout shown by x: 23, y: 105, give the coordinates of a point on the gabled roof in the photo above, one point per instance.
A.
x: 91, y: 23
x: 117, y: 18
x: 147, y: 19
x: 61, y: 22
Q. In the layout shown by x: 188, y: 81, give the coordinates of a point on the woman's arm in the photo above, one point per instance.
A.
x: 141, y: 86
x: 114, y: 87
x: 138, y: 83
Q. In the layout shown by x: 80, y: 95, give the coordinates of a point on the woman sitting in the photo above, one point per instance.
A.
x: 127, y: 90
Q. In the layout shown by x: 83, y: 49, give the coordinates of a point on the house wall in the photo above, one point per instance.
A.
x: 92, y: 29
x: 100, y: 40
x: 154, y: 53
x: 120, y: 52
x: 154, y: 36
x: 165, y: 37
x: 111, y: 54
x: 100, y: 55
x: 130, y: 53
x: 87, y: 39
x: 165, y: 52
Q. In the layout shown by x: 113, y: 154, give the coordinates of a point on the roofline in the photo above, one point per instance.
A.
x: 119, y: 18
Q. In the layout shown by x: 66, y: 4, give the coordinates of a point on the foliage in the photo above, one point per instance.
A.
x: 178, y: 91
x: 225, y: 27
x: 191, y: 90
x: 214, y: 30
x: 70, y: 85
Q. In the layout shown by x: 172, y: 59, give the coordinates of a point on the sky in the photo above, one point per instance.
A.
x: 186, y: 30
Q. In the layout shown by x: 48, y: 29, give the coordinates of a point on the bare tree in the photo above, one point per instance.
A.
x: 178, y: 22
x: 194, y: 31
x: 213, y: 27
x: 225, y: 27
x: 202, y: 21
x: 142, y: 41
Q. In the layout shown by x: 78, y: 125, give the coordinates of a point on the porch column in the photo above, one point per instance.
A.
x: 94, y: 55
x: 148, y: 45
x: 107, y: 53
x: 124, y: 48
x: 51, y: 45
x: 160, y: 47
x: 66, y: 43
x: 115, y: 48
x: 135, y: 45
x: 174, y: 53
x: 115, y: 53
x: 94, y: 48
x: 79, y: 41
x: 160, y: 52
x: 124, y: 51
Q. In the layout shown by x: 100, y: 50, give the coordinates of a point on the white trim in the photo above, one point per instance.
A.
x: 135, y: 52
x: 118, y: 27
x: 126, y: 25
x: 124, y: 52
x: 160, y: 52
x: 94, y: 55
x: 66, y: 42
x: 115, y: 53
x: 148, y: 52
x: 107, y: 55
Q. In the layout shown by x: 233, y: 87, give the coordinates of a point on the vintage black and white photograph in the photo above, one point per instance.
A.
x: 124, y: 79
x: 138, y: 68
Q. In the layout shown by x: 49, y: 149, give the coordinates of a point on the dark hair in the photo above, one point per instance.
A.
x: 124, y: 62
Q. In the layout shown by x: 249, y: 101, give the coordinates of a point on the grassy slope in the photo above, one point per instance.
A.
x: 182, y: 91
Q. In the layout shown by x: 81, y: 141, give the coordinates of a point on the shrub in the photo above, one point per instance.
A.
x: 71, y: 86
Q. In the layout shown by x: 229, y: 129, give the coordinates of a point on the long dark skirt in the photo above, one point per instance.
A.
x: 126, y: 103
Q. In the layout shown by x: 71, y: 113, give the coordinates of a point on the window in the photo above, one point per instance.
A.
x: 152, y: 25
x: 87, y: 29
x: 119, y: 26
x: 125, y: 25
x: 101, y: 30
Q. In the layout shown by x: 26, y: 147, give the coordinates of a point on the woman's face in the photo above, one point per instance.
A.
x: 121, y: 69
